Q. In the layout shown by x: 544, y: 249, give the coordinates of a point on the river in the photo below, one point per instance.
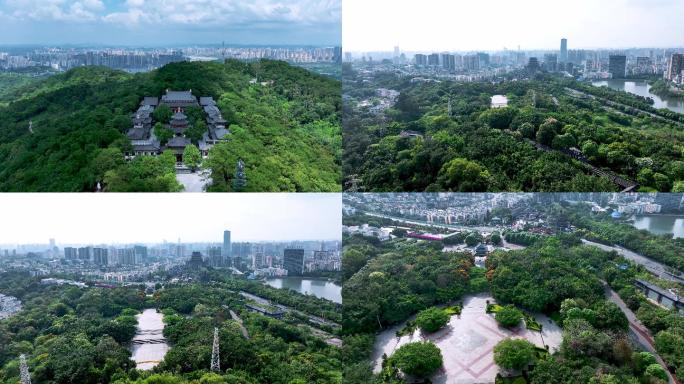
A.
x: 661, y: 224
x: 318, y: 287
x: 641, y: 88
x: 149, y: 346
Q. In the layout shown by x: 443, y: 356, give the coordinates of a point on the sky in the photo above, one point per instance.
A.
x: 466, y: 25
x: 170, y: 22
x: 151, y: 218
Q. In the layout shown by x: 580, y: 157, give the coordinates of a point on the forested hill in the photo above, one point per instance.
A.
x: 286, y: 128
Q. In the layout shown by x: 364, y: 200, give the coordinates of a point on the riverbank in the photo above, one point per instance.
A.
x: 665, y: 90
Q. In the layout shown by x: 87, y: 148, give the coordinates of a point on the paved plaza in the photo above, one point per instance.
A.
x: 467, y: 343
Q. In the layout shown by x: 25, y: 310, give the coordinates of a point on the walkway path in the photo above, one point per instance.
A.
x: 638, y: 331
x: 239, y: 321
x: 656, y: 268
x: 193, y: 182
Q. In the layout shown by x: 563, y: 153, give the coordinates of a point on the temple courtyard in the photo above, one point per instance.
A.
x: 467, y: 342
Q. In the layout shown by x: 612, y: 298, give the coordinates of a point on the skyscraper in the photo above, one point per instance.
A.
x: 675, y: 68
x: 564, y: 51
x: 617, y: 66
x: 293, y: 261
x: 227, y: 251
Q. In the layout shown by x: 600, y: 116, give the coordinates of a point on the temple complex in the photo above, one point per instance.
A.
x: 144, y: 140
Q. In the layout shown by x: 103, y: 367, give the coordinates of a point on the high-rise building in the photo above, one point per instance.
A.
x: 471, y: 62
x: 483, y: 59
x: 100, y: 256
x: 396, y: 52
x: 293, y: 261
x: 140, y: 254
x: 420, y: 59
x: 617, y: 66
x: 215, y: 258
x: 564, y: 51
x: 227, y: 250
x: 70, y: 253
x: 669, y: 202
x: 433, y: 60
x: 675, y: 68
x: 533, y: 64
x: 84, y: 253
x: 551, y: 62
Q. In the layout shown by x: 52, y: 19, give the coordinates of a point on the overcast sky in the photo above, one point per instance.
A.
x: 463, y: 25
x: 167, y: 22
x: 127, y: 218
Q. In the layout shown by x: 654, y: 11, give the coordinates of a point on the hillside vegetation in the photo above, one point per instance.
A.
x: 286, y: 128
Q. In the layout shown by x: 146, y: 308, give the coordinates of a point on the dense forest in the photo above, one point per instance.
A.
x: 80, y: 335
x: 556, y: 275
x: 548, y: 138
x: 285, y: 127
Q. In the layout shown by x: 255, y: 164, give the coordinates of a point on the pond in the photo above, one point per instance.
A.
x: 642, y: 88
x: 149, y: 346
x: 661, y: 224
x: 325, y: 289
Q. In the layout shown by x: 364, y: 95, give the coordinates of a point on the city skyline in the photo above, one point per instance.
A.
x: 153, y: 218
x: 456, y: 26
x: 169, y: 22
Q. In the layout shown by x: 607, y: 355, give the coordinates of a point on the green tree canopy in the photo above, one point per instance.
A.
x: 420, y: 359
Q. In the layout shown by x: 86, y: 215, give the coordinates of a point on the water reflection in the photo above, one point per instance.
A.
x: 149, y: 346
x: 642, y: 88
x: 660, y: 224
x: 318, y: 287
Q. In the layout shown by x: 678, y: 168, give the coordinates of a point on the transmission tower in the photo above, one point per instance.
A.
x: 23, y: 370
x: 215, y: 360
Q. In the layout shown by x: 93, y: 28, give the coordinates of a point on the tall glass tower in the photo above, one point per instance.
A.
x: 226, y: 251
x: 564, y: 51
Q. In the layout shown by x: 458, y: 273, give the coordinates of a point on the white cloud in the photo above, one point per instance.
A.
x: 61, y: 10
x: 227, y: 12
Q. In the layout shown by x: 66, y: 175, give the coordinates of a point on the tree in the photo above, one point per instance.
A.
x: 163, y: 134
x: 472, y: 239
x: 509, y: 316
x: 462, y: 175
x: 399, y: 232
x: 496, y: 238
x: 656, y: 371
x: 420, y: 359
x: 514, y: 354
x: 239, y: 178
x: 432, y: 319
x: 162, y: 114
x: 196, y: 131
x: 546, y: 134
x: 192, y: 157
x: 106, y: 160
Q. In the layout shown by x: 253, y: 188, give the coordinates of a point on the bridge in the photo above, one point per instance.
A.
x: 149, y: 341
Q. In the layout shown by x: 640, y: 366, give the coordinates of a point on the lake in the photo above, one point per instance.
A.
x: 661, y: 224
x: 642, y: 88
x: 149, y: 346
x: 318, y: 287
